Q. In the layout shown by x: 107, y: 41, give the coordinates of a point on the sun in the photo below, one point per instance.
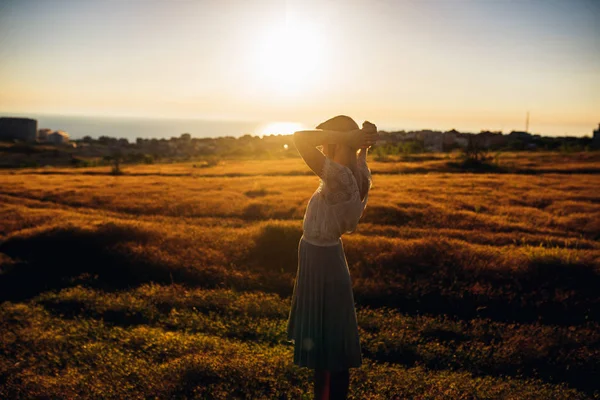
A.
x: 280, y: 128
x: 290, y: 58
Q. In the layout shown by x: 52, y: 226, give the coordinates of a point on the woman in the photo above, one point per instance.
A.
x: 322, y: 320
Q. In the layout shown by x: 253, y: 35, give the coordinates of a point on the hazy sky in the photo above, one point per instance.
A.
x: 442, y: 64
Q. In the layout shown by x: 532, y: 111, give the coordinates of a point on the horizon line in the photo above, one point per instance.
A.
x: 387, y: 128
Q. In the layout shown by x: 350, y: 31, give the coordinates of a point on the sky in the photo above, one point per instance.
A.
x: 404, y: 64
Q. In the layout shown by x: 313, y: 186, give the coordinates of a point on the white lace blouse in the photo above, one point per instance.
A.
x: 335, y: 208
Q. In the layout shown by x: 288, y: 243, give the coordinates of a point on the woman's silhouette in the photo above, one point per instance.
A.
x: 322, y: 320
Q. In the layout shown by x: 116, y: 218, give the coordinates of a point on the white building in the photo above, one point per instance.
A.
x: 58, y: 137
x: 43, y: 134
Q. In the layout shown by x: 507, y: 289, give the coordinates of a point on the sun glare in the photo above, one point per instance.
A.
x: 280, y: 128
x: 290, y: 58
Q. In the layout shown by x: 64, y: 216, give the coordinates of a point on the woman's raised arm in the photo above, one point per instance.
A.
x: 371, y: 130
x: 307, y: 141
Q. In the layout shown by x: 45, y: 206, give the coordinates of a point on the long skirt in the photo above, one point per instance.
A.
x: 322, y: 320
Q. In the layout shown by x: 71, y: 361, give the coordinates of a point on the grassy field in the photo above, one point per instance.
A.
x: 174, y: 281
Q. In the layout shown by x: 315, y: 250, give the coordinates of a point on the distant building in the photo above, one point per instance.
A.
x: 24, y: 129
x: 596, y: 138
x: 487, y: 139
x: 43, y: 134
x: 410, y: 136
x: 58, y: 137
x: 462, y: 141
x: 520, y: 135
x: 432, y: 140
x: 449, y: 139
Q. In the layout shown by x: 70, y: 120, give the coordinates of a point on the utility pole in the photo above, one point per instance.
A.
x: 527, y: 122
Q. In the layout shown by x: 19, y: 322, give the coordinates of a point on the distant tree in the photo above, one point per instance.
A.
x: 381, y: 154
x: 474, y: 153
x: 412, y: 147
x: 115, y: 158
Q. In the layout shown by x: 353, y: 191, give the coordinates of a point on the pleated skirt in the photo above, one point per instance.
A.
x: 322, y: 320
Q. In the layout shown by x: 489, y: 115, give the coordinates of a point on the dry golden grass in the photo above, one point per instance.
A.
x: 553, y: 204
x: 453, y: 274
x: 509, y: 162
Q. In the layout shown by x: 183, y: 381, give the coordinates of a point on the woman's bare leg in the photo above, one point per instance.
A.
x: 340, y: 383
x: 322, y: 382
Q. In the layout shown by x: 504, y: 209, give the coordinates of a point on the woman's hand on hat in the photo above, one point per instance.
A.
x: 358, y: 138
x: 370, y: 135
x: 369, y: 127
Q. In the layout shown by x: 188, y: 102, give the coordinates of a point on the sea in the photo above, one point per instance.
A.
x: 78, y: 126
x: 133, y: 127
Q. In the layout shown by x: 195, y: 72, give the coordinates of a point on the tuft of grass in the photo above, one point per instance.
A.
x: 276, y: 247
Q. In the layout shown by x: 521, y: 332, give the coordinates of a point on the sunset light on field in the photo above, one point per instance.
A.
x: 298, y: 199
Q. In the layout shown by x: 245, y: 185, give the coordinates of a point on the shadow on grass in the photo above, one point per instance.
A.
x: 104, y: 257
x: 435, y: 277
x: 581, y: 376
x: 276, y: 248
x: 73, y: 308
x: 470, y: 165
x: 57, y: 257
